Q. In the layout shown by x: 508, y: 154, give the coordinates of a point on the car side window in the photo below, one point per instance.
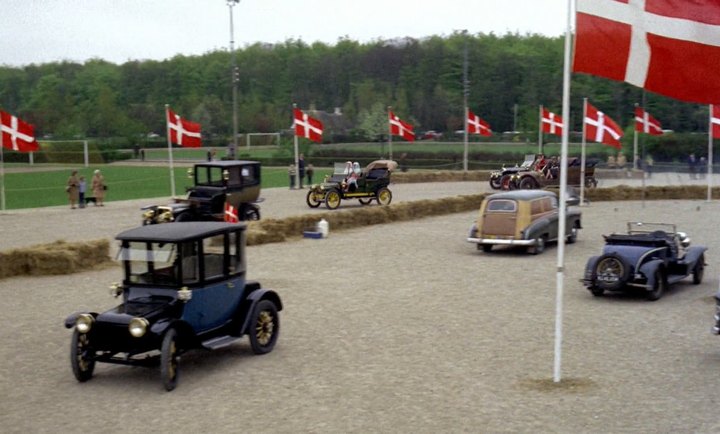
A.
x: 190, y: 264
x: 502, y: 205
x: 214, y: 256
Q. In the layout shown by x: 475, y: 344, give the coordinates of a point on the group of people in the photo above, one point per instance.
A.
x: 549, y: 168
x: 697, y: 167
x: 76, y: 189
x: 304, y: 171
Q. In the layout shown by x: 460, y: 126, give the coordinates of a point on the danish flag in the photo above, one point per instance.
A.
x: 477, y: 125
x: 231, y: 214
x: 306, y: 126
x: 551, y: 123
x: 600, y: 128
x: 644, y: 123
x: 400, y: 128
x: 671, y: 47
x: 17, y: 134
x: 715, y: 121
x: 183, y: 132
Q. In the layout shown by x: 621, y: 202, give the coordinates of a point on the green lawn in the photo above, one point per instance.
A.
x: 47, y: 187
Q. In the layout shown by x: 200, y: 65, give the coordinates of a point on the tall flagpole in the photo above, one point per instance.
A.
x: 563, y: 198
x: 710, y: 155
x: 2, y: 170
x: 540, y: 137
x: 389, y: 133
x: 170, y: 157
x: 582, y: 155
x: 466, y: 93
x: 295, y: 148
x: 635, y: 141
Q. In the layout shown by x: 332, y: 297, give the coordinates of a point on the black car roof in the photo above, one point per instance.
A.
x: 227, y: 163
x: 522, y: 194
x: 178, y: 231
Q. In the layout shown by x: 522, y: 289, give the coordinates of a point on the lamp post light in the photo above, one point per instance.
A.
x: 234, y: 76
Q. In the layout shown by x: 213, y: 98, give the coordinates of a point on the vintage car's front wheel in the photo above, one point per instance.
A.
x: 169, y: 360
x: 332, y: 199
x: 610, y: 273
x: 312, y: 201
x: 265, y: 324
x: 81, y: 356
x: 384, y: 196
x: 528, y: 183
x: 659, y: 286
x: 699, y: 270
x: 495, y: 183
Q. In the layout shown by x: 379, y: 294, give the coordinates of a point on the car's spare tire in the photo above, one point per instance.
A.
x: 611, y: 272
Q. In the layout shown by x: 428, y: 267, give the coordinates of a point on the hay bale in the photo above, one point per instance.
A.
x: 55, y: 258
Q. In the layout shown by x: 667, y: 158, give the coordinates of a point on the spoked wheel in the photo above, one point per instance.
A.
x: 384, y: 196
x: 495, y: 183
x: 610, y: 273
x: 699, y: 270
x: 265, y: 324
x: 659, y: 286
x: 528, y: 183
x: 81, y: 356
x: 365, y: 201
x: 312, y: 200
x: 169, y: 360
x: 332, y: 199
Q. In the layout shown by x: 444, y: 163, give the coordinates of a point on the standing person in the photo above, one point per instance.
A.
x: 82, y: 186
x: 98, y: 188
x: 73, y: 189
x: 309, y: 172
x: 291, y: 175
x: 649, y: 165
x: 702, y: 167
x: 301, y: 166
x: 692, y: 163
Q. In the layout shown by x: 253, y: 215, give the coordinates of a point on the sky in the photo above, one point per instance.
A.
x: 41, y: 31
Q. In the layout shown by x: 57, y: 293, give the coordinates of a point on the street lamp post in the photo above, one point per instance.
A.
x: 234, y: 76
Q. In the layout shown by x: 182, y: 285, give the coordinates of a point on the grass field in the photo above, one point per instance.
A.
x: 39, y: 188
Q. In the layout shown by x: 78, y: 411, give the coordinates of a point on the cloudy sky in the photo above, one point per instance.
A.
x: 37, y: 31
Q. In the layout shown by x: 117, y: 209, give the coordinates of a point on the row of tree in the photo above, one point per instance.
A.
x: 508, y: 78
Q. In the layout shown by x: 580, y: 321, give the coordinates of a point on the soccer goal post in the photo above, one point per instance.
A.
x: 262, y: 139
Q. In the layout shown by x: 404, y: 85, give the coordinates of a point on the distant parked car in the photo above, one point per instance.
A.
x: 430, y: 135
x: 184, y: 287
x: 649, y: 257
x: 526, y: 218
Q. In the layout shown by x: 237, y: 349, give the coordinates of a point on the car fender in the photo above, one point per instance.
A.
x: 473, y: 231
x: 253, y: 298
x: 649, y: 268
x: 160, y: 327
x: 590, y: 268
x: 72, y: 319
x: 693, y: 254
x: 538, y: 227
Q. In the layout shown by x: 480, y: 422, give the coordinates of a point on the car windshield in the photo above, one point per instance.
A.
x: 502, y: 205
x: 208, y: 176
x: 151, y: 263
x: 644, y: 228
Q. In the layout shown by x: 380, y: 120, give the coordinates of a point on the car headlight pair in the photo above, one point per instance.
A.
x: 138, y: 326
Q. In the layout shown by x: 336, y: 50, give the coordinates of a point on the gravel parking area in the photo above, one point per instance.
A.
x: 403, y: 327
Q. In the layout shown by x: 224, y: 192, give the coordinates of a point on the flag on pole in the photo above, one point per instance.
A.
x: 551, y: 123
x: 645, y: 123
x: 17, y: 134
x: 306, y: 126
x: 183, y: 132
x: 476, y: 125
x: 715, y: 121
x: 600, y: 128
x: 668, y: 47
x: 400, y: 128
x: 231, y: 214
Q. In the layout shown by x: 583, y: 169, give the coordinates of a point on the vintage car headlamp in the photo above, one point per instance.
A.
x: 184, y: 294
x: 149, y: 214
x: 84, y: 322
x: 684, y: 239
x: 116, y: 290
x: 165, y: 216
x: 138, y: 326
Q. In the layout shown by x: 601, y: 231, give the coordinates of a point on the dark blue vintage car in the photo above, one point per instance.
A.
x: 184, y: 287
x: 649, y: 257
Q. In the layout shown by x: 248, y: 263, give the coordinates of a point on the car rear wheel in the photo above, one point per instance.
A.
x: 384, y: 196
x: 332, y: 199
x: 699, y: 270
x: 659, y: 286
x: 528, y: 183
x: 365, y: 201
x: 83, y: 364
x: 486, y: 247
x: 312, y: 201
x: 169, y: 360
x: 610, y: 273
x: 539, y: 246
x: 265, y: 324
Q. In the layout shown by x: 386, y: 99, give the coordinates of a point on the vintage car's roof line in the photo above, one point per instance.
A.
x: 226, y: 163
x: 522, y: 194
x: 178, y: 231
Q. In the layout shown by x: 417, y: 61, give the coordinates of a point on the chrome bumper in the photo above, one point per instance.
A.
x: 501, y: 242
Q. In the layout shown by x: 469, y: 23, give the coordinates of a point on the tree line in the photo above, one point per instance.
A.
x: 509, y: 76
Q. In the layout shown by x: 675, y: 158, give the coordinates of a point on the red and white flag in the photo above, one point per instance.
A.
x: 17, y: 134
x: 183, y: 132
x: 551, y: 123
x: 600, y: 128
x: 306, y: 126
x: 644, y: 123
x: 231, y: 214
x: 715, y: 121
x: 476, y: 125
x: 671, y: 47
x: 400, y: 128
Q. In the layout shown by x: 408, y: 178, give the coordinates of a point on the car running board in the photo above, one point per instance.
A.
x: 220, y: 342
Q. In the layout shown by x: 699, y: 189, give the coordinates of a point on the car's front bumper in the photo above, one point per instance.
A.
x: 501, y: 241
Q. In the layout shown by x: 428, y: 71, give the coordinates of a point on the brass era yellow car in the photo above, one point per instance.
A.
x: 349, y: 181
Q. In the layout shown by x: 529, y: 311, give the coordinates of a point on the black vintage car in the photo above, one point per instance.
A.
x: 501, y: 179
x: 184, y: 287
x: 547, y: 174
x: 349, y: 181
x: 216, y: 183
x: 649, y: 257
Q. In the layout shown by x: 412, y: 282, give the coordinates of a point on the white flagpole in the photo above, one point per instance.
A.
x: 710, y: 156
x: 465, y: 139
x: 2, y: 170
x: 635, y: 140
x: 582, y: 156
x: 540, y: 135
x: 295, y: 149
x: 563, y: 197
x: 389, y: 133
x: 466, y: 93
x: 170, y: 158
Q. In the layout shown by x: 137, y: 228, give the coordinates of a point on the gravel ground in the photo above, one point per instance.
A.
x: 402, y: 327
